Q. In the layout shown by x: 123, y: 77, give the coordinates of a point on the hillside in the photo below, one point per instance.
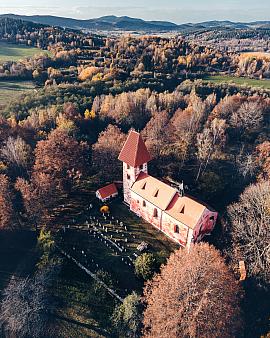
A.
x: 115, y: 23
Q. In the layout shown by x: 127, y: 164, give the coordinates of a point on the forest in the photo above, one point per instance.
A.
x: 61, y: 142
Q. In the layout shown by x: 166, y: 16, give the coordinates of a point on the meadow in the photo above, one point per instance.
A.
x: 14, y: 52
x: 242, y: 81
x: 9, y: 90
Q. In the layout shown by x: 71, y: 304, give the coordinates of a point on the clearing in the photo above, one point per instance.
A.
x: 14, y: 52
x: 10, y: 90
x: 217, y: 79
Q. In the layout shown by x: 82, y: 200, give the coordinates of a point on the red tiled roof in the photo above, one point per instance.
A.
x: 108, y: 191
x: 134, y: 152
x: 153, y: 190
x: 186, y: 210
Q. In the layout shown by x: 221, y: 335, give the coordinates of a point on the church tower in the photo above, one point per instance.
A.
x: 135, y: 157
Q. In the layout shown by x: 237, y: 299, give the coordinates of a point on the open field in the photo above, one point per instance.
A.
x: 217, y: 79
x: 9, y: 90
x: 13, y: 52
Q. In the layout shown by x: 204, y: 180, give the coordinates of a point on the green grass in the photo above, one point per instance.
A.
x: 14, y: 52
x: 9, y: 90
x: 218, y: 79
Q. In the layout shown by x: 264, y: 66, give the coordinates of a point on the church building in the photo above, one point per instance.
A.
x: 180, y: 217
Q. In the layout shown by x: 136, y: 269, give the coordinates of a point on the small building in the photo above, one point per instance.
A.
x: 107, y: 192
x: 181, y: 218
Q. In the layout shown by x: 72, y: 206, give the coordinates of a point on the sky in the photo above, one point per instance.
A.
x: 178, y: 11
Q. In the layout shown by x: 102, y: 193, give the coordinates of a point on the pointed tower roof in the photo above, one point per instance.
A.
x: 134, y: 151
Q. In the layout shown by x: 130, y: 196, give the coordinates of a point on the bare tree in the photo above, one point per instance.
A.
x: 195, y: 295
x: 250, y: 220
x: 248, y: 117
x: 27, y: 306
x: 210, y: 140
x: 17, y: 153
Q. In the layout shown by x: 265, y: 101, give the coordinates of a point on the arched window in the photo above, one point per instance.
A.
x: 176, y: 229
x: 155, y: 214
x: 144, y: 204
x: 128, y: 176
x: 141, y: 166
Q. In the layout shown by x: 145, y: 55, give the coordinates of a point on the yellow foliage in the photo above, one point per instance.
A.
x: 105, y: 209
x: 3, y: 167
x: 65, y: 124
x: 89, y: 115
x: 256, y: 55
x: 88, y: 73
x: 42, y: 134
x: 97, y: 77
x: 12, y: 122
x: 182, y: 60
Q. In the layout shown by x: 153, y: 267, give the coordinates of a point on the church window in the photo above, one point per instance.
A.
x: 155, y: 214
x: 144, y: 204
x: 156, y: 193
x: 141, y: 166
x: 176, y: 229
x: 128, y: 176
x: 128, y: 166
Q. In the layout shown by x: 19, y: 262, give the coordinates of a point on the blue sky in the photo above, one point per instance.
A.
x: 178, y: 11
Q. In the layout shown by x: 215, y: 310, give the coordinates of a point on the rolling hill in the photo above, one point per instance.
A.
x: 114, y: 23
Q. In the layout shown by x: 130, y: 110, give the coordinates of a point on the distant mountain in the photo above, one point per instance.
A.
x: 114, y: 23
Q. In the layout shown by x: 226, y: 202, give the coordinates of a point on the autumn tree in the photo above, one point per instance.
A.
x: 263, y: 159
x: 195, y: 295
x: 62, y: 158
x: 39, y: 195
x: 250, y: 222
x: 106, y: 152
x: 157, y: 133
x: 6, y: 205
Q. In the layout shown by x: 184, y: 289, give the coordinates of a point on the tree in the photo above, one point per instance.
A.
x: 38, y: 196
x: 250, y: 221
x: 62, y: 158
x: 17, y: 153
x: 195, y: 295
x: 27, y: 306
x: 248, y: 117
x: 106, y: 152
x: 6, y: 205
x: 210, y: 140
x: 146, y: 265
x: 127, y: 317
x: 156, y: 139
x: 263, y: 157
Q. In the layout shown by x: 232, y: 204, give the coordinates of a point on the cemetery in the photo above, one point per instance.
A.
x: 112, y: 242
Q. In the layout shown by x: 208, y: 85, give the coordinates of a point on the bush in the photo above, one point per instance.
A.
x: 146, y: 265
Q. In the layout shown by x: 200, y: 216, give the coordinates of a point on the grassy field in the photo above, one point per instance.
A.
x: 13, y: 52
x: 217, y: 79
x: 9, y: 90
